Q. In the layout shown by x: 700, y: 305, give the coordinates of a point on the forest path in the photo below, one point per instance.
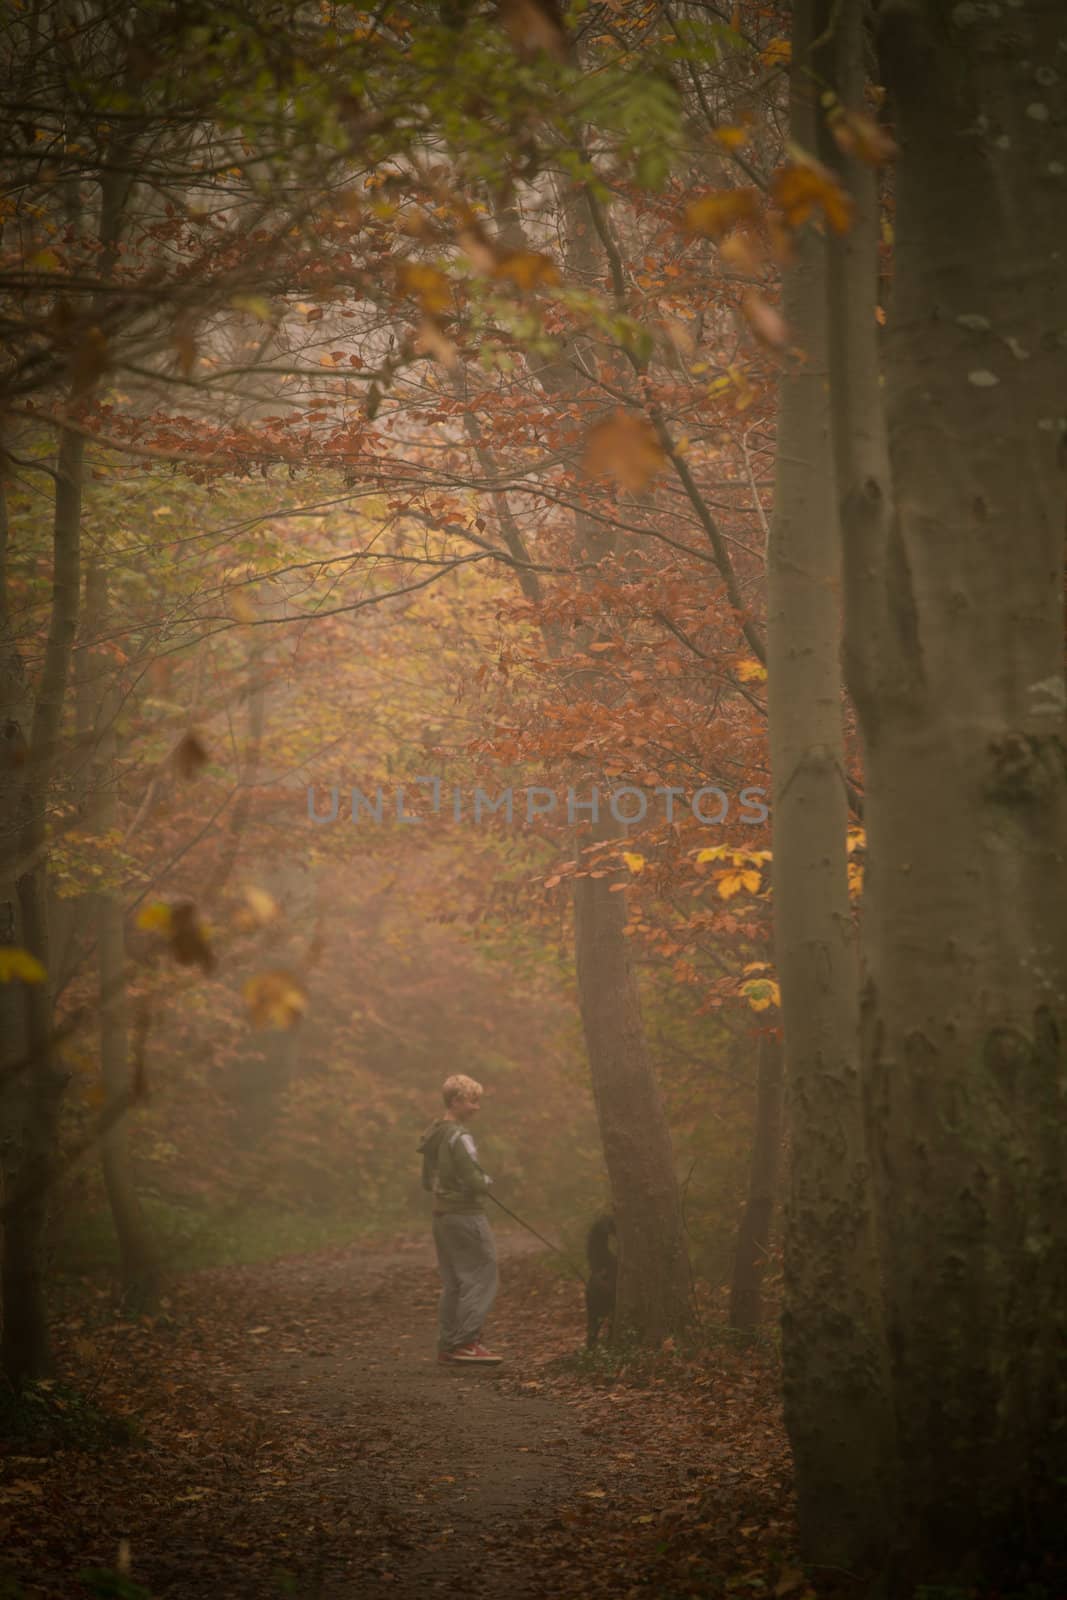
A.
x: 300, y: 1439
x: 405, y: 1477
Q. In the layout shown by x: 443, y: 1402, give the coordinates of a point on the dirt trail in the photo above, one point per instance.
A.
x: 299, y: 1438
x: 416, y: 1478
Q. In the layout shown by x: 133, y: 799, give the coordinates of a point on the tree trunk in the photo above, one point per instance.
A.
x: 835, y: 1365
x: 955, y: 633
x: 16, y: 713
x: 137, y: 1257
x: 654, y: 1283
x: 754, y: 1234
x: 25, y: 1350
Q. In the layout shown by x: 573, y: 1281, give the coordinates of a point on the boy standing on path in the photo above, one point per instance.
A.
x: 466, y: 1252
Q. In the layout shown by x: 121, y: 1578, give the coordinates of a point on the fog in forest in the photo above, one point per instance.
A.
x: 533, y: 800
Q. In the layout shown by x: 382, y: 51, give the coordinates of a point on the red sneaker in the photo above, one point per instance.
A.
x: 444, y: 1357
x: 475, y: 1352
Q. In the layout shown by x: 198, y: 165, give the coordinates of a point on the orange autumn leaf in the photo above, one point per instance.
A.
x: 625, y: 448
x: 478, y: 248
x: 527, y: 268
x: 742, y: 248
x: 426, y: 285
x: 154, y: 917
x: 778, y: 53
x: 766, y: 323
x: 712, y: 214
x: 431, y: 340
x: 859, y: 135
x: 805, y: 187
x: 534, y: 25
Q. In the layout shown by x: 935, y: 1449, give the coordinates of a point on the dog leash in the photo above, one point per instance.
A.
x: 522, y: 1224
x: 554, y: 1248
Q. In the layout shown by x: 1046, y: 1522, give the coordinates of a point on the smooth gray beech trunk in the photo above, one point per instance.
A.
x: 754, y: 1234
x: 954, y: 540
x: 834, y: 1354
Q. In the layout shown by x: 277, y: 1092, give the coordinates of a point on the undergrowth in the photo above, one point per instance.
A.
x: 47, y: 1415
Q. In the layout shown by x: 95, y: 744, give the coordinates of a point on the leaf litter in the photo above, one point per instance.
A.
x: 292, y: 1433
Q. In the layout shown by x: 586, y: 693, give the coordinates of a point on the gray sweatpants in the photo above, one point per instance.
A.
x: 466, y: 1255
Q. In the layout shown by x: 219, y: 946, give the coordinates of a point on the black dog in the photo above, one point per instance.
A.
x: 603, y: 1276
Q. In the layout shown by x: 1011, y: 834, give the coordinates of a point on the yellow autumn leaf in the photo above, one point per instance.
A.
x: 635, y: 862
x: 731, y: 883
x: 154, y: 917
x: 714, y: 852
x: 745, y: 393
x: 275, y: 999
x: 259, y: 908
x: 777, y: 54
x: 798, y: 190
x: 751, y: 671
x: 857, y: 839
x: 18, y: 963
x: 257, y: 305
x: 761, y: 993
x: 731, y: 137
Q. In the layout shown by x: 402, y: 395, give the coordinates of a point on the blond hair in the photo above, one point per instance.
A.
x: 460, y: 1087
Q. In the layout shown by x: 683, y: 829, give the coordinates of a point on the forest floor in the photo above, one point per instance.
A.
x: 293, y: 1435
